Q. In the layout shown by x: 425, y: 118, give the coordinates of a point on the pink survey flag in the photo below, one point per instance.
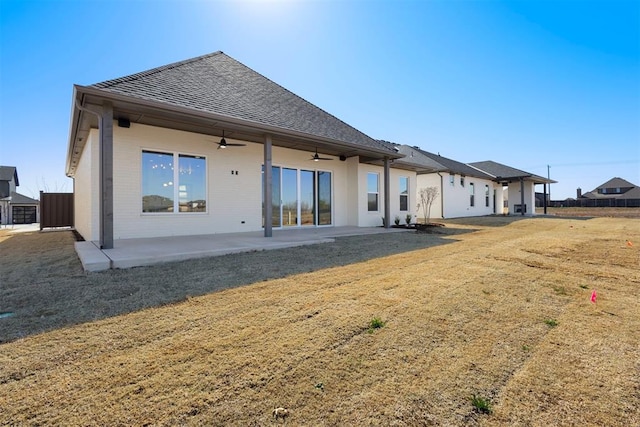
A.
x: 593, y: 296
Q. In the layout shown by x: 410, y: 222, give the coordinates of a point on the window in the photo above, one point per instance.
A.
x: 452, y: 179
x: 472, y: 194
x: 299, y: 197
x: 404, y: 193
x: 486, y: 195
x: 372, y: 192
x: 167, y: 189
x: 461, y: 180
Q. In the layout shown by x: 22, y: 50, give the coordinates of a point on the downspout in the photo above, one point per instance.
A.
x: 522, y: 205
x: 106, y: 179
x: 441, y: 195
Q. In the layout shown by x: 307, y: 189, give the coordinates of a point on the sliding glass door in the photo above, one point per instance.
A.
x: 300, y: 197
x: 307, y: 197
x: 324, y: 198
x: 289, y: 203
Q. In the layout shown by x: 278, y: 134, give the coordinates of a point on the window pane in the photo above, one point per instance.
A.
x: 372, y: 183
x: 324, y: 198
x: 275, y: 196
x: 289, y: 197
x: 404, y: 193
x: 307, y: 197
x: 372, y: 192
x: 157, y: 182
x: 192, y: 183
x: 372, y: 202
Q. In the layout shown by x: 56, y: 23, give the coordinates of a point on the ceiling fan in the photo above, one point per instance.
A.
x: 316, y: 157
x: 224, y: 144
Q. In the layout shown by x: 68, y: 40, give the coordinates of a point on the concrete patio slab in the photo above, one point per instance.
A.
x: 147, y: 251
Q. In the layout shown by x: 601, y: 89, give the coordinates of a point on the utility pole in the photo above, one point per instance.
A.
x: 549, y: 178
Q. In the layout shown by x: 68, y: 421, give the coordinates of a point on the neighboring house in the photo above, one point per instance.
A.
x: 192, y: 148
x: 520, y: 185
x: 15, y: 208
x: 615, y: 192
x: 463, y: 190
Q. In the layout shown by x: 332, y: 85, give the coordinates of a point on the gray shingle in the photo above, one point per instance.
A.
x: 453, y: 166
x: 217, y: 83
x: 7, y: 173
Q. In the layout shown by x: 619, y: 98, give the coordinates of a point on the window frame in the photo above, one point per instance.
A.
x: 376, y: 193
x: 486, y: 195
x: 175, y: 156
x: 405, y: 195
x: 472, y: 194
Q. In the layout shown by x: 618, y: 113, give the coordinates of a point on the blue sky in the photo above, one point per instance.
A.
x: 526, y: 83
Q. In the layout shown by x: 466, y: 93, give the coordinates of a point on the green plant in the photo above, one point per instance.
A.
x: 375, y: 323
x: 481, y: 404
x: 397, y: 220
x: 584, y: 286
x: 408, y: 218
x: 525, y: 347
x: 551, y: 323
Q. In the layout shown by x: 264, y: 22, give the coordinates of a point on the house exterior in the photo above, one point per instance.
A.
x: 15, y: 208
x: 520, y: 185
x: 616, y: 192
x: 463, y: 190
x: 193, y: 148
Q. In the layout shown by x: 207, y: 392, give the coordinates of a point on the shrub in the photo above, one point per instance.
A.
x: 375, y: 323
x: 481, y: 404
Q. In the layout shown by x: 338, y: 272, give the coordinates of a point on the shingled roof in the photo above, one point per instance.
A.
x: 217, y: 83
x: 7, y: 173
x: 449, y: 165
x: 504, y: 172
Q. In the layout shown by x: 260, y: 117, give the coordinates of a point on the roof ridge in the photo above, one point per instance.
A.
x: 156, y: 70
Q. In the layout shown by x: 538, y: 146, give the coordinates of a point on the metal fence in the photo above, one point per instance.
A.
x: 595, y: 203
x: 56, y: 210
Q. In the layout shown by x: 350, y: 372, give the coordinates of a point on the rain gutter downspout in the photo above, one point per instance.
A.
x: 105, y: 167
x: 441, y: 195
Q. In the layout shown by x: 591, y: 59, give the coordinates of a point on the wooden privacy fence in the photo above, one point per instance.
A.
x: 56, y: 210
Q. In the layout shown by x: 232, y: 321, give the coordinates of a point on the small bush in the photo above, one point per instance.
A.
x: 375, y: 323
x: 396, y: 220
x: 481, y: 404
x: 552, y: 323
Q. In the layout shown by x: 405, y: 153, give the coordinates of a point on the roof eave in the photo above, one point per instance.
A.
x: 89, y: 95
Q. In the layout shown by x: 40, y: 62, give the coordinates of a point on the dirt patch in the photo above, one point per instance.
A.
x: 503, y: 313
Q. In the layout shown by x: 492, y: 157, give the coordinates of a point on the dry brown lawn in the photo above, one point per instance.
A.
x: 475, y: 317
x: 593, y: 212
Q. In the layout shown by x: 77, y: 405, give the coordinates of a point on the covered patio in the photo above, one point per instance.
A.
x: 128, y: 253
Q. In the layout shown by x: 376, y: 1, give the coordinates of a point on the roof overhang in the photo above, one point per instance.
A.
x: 159, y: 114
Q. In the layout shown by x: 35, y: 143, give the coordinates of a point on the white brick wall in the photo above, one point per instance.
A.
x: 234, y: 200
x: 86, y: 190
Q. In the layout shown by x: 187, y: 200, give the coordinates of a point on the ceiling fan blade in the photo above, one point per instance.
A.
x: 315, y: 157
